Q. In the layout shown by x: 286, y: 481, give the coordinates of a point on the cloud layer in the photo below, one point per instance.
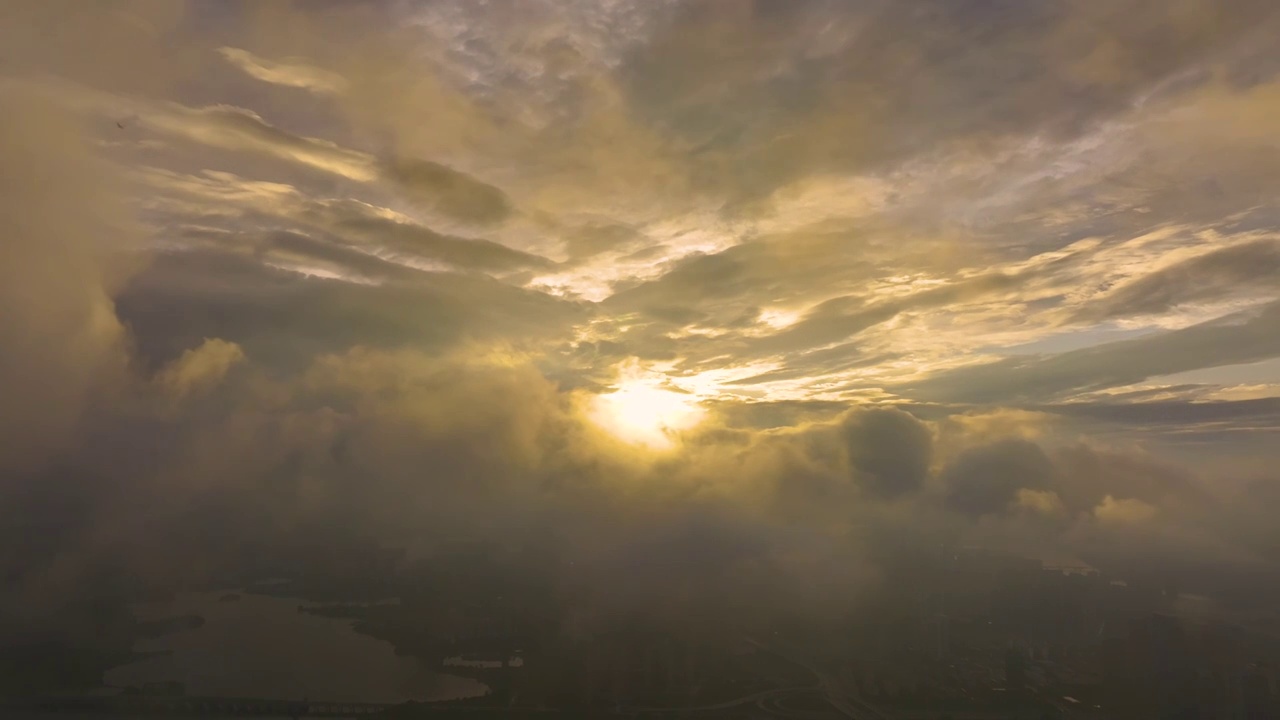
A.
x: 935, y: 272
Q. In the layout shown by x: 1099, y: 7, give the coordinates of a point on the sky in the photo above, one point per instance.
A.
x: 728, y: 291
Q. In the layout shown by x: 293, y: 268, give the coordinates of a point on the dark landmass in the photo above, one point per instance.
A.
x: 229, y: 597
x: 170, y: 688
x: 319, y: 590
x: 151, y: 629
x: 52, y: 666
x: 452, y: 710
x: 59, y: 667
x: 356, y: 611
x: 432, y: 652
x: 972, y: 634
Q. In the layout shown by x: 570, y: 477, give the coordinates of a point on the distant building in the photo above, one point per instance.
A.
x: 942, y: 637
x: 1015, y: 670
x: 168, y: 688
x: 1249, y: 696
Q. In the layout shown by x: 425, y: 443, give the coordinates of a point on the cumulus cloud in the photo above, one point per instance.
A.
x: 988, y: 478
x: 1123, y: 511
x: 200, y: 368
x: 1045, y: 502
x: 890, y: 450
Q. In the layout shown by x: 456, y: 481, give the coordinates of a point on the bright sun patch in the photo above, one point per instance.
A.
x: 643, y: 413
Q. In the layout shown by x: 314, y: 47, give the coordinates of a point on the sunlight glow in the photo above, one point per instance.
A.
x: 641, y: 412
x: 778, y: 319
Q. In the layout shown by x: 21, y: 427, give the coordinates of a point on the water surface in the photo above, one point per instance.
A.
x: 263, y: 647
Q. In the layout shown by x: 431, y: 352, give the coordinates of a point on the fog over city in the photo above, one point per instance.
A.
x: 525, y: 329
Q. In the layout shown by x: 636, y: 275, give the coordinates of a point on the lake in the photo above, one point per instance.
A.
x: 261, y: 646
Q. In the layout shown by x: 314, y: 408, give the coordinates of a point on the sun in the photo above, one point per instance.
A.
x: 641, y: 412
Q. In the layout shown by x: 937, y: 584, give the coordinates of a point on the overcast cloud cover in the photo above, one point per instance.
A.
x: 942, y: 271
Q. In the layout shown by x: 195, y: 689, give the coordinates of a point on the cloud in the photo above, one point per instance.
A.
x: 406, y: 446
x: 234, y: 128
x: 1045, y: 502
x: 889, y: 449
x: 370, y: 238
x: 440, y: 188
x: 986, y: 479
x: 786, y: 91
x: 67, y: 247
x: 1124, y: 511
x: 888, y: 247
x: 281, y: 317
x: 594, y: 239
x: 845, y: 317
x: 785, y: 269
x: 401, y: 236
x: 289, y: 74
x: 1229, y: 270
x: 453, y: 193
x: 1239, y: 338
x: 115, y: 46
x: 1177, y: 414
x: 200, y: 368
x: 725, y: 293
